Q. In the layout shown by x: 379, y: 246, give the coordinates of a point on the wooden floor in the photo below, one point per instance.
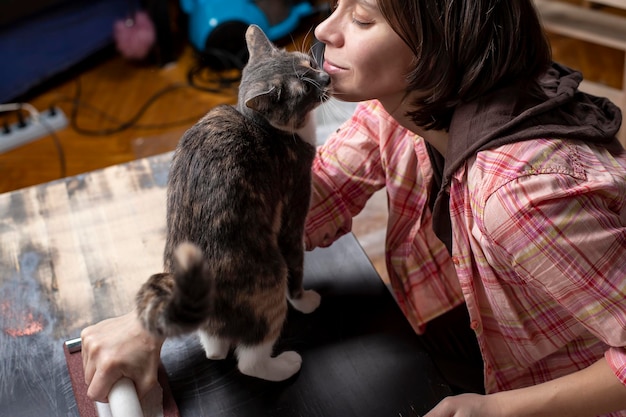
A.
x: 112, y: 91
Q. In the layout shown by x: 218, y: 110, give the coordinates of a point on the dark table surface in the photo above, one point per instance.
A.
x: 75, y: 251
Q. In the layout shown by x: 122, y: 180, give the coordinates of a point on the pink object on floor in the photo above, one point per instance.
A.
x: 135, y: 36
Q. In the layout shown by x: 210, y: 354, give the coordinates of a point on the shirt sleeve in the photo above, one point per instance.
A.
x: 347, y: 170
x: 564, y: 234
x: 616, y: 357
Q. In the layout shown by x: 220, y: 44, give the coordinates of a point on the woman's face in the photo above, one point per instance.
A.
x: 365, y: 58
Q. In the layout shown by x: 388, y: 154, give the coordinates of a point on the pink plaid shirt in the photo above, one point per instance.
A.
x: 539, y: 242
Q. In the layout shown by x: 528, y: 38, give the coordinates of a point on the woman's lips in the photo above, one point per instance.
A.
x: 332, y: 68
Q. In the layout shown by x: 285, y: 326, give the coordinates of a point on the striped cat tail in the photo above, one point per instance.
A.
x: 171, y: 304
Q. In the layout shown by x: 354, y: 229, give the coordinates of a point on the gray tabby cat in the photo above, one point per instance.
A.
x: 238, y: 194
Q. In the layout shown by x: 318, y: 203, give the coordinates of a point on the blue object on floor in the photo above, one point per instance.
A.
x: 205, y: 16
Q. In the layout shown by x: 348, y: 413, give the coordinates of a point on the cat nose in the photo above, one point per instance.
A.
x: 324, y: 78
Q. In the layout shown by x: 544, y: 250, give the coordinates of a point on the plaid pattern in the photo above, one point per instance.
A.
x: 367, y: 153
x: 540, y: 251
x: 539, y: 242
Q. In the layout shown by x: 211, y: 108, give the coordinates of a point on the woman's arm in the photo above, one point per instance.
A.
x: 119, y: 347
x: 587, y: 393
x: 346, y: 172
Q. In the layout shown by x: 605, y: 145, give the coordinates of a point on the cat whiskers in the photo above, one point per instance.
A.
x: 334, y: 112
x: 311, y: 50
x: 311, y: 81
x: 305, y: 41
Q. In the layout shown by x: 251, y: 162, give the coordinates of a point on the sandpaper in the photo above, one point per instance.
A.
x: 87, y: 408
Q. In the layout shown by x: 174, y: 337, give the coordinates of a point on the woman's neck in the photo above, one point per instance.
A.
x: 436, y: 138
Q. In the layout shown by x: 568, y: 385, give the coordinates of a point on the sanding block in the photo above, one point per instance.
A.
x: 123, y: 399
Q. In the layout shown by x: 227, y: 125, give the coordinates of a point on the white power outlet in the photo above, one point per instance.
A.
x: 49, y: 121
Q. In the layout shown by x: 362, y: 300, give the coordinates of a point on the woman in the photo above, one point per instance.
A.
x: 522, y: 224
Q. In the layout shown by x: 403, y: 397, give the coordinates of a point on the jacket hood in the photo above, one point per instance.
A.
x: 509, y: 115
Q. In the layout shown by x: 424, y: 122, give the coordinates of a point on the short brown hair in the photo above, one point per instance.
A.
x: 465, y: 48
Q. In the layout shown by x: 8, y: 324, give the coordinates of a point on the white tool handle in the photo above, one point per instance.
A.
x: 123, y: 401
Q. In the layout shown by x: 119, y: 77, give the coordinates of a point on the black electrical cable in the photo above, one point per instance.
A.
x: 132, y: 122
x: 58, y: 146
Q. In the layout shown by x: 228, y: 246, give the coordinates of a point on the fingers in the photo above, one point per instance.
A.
x: 110, y: 370
x: 100, y: 386
x: 437, y: 412
x: 146, y: 383
x: 116, y: 348
x: 463, y: 405
x: 89, y: 368
x: 100, y: 371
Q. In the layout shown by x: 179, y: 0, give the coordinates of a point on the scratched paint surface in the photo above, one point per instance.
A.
x: 75, y: 251
x: 72, y: 252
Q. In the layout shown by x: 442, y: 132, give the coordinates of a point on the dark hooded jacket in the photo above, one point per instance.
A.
x: 508, y: 115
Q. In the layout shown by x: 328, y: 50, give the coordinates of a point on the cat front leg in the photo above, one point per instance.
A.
x: 216, y: 348
x: 307, y: 301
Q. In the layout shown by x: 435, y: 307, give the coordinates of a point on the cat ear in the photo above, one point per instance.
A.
x: 258, y: 43
x: 262, y: 101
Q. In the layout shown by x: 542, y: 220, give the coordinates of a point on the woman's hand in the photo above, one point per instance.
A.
x: 589, y: 392
x: 116, y: 348
x: 465, y: 405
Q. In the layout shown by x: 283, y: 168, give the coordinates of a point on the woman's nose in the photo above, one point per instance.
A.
x: 320, y: 30
x: 326, y: 31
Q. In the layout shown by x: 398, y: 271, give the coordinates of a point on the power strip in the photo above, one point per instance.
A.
x: 18, y: 134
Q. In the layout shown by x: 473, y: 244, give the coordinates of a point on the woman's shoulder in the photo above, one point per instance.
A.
x: 553, y: 174
x: 492, y: 168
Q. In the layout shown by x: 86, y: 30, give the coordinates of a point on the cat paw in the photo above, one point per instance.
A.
x: 215, y: 348
x: 289, y: 363
x: 276, y: 369
x: 216, y: 356
x: 306, y: 304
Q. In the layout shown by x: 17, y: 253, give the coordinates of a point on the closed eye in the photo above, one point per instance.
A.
x: 361, y: 23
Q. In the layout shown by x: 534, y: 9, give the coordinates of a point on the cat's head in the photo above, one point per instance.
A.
x: 282, y: 86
